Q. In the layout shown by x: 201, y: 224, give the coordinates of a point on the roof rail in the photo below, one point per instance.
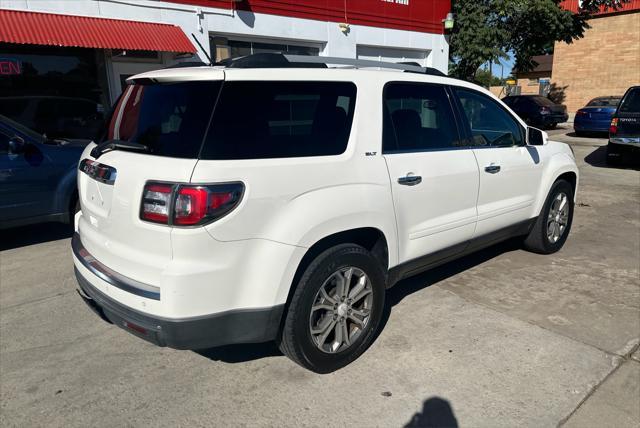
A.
x: 280, y: 60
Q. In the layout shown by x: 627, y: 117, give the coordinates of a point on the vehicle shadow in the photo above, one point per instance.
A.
x: 593, y: 135
x: 598, y: 159
x: 35, y: 234
x: 241, y: 353
x: 411, y: 285
x: 436, y: 412
x: 249, y: 352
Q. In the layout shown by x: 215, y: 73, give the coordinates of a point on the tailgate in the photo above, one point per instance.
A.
x: 110, y: 196
x: 628, y: 125
x: 153, y: 134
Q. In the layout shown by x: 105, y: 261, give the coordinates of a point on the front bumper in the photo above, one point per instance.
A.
x: 236, y: 326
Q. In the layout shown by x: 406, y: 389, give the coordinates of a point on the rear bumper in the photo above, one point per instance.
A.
x: 236, y: 326
x: 625, y: 141
x: 619, y: 148
x: 548, y: 119
x: 591, y: 126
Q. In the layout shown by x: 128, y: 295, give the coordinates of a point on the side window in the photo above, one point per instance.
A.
x: 418, y: 117
x: 490, y: 124
x: 260, y: 120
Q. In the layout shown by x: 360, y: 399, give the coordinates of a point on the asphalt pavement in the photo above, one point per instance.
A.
x: 499, y: 338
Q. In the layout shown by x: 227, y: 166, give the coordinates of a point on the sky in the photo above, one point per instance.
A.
x: 504, y: 67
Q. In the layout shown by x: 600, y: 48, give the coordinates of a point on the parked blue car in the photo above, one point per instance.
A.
x: 37, y: 176
x: 596, y: 115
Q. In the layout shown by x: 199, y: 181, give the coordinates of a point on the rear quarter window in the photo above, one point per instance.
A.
x: 260, y: 120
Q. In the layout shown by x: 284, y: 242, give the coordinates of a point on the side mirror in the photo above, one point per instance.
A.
x: 536, y: 137
x: 17, y: 145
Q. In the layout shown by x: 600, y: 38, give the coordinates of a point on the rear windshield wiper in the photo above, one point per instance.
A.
x: 110, y: 145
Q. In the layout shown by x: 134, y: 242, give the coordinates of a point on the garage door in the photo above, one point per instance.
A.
x: 392, y: 55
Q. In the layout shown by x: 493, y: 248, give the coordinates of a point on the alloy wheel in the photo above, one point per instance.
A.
x: 341, y: 310
x: 558, y: 217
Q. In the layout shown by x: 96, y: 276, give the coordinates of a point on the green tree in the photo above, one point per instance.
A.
x: 486, y: 30
x: 485, y: 78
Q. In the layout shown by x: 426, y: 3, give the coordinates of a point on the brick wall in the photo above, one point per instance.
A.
x: 605, y: 62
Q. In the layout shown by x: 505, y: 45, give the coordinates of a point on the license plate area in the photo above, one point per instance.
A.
x: 97, y: 185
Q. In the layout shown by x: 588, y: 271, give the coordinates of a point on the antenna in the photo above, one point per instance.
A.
x: 204, y: 51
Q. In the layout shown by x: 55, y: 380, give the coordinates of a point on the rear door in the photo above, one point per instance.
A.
x: 510, y: 171
x: 434, y: 177
x: 168, y: 118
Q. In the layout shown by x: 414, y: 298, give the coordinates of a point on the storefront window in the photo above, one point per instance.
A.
x: 60, y: 92
x: 223, y: 48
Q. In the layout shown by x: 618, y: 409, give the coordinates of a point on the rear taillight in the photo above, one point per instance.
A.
x: 581, y: 113
x: 156, y: 200
x: 545, y: 110
x: 188, y: 205
x: 613, y: 128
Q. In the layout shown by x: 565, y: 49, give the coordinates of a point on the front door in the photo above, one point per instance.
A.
x: 434, y: 179
x: 26, y: 185
x: 510, y: 171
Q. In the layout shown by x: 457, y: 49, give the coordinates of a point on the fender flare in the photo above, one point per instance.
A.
x: 559, y: 163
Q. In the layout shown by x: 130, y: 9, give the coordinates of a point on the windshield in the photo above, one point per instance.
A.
x: 29, y: 133
x: 170, y: 119
x: 604, y: 102
x: 631, y: 102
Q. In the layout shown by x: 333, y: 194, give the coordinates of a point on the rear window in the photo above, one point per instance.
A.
x: 170, y: 119
x: 259, y: 120
x: 604, y: 102
x: 631, y: 102
x: 542, y: 101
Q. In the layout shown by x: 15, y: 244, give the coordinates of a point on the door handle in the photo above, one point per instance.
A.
x: 492, y: 169
x: 410, y: 180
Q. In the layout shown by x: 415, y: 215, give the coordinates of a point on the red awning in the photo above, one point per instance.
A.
x: 80, y: 31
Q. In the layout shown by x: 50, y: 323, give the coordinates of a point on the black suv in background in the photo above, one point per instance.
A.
x: 537, y: 110
x: 624, y: 132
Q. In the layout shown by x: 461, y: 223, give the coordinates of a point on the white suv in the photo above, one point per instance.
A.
x: 244, y: 204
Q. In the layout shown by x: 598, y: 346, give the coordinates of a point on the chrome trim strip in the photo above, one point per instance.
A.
x: 100, y: 172
x: 108, y: 275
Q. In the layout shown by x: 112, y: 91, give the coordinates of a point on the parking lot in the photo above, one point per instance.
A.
x: 500, y: 338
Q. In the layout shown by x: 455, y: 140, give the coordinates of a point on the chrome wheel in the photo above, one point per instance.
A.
x: 341, y: 310
x: 558, y: 218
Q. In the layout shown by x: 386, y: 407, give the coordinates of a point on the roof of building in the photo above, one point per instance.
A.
x: 545, y: 65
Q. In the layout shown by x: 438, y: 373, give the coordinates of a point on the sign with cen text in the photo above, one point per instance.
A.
x: 402, y: 2
x: 10, y: 67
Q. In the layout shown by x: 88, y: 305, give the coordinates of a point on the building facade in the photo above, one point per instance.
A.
x: 537, y: 80
x: 57, y: 50
x: 605, y: 62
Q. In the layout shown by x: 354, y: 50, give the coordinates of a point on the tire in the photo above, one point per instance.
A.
x: 538, y: 239
x: 552, y: 126
x: 580, y: 134
x: 297, y: 341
